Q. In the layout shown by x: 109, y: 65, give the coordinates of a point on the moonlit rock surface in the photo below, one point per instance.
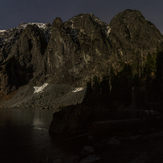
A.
x: 78, y: 89
x: 40, y: 89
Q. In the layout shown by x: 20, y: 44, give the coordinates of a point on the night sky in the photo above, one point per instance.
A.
x: 13, y: 12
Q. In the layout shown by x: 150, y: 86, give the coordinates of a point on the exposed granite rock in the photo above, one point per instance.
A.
x: 10, y: 36
x: 25, y: 60
x: 89, y: 33
x: 128, y: 39
x: 77, y: 50
x: 7, y: 39
x: 133, y: 37
x: 60, y: 54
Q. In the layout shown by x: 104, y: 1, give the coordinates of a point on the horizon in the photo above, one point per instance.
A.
x: 41, y: 11
x: 2, y: 30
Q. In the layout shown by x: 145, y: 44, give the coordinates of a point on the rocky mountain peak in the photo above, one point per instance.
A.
x: 57, y: 22
x: 78, y: 49
x: 86, y: 23
x: 133, y: 37
x: 131, y: 25
x: 130, y: 13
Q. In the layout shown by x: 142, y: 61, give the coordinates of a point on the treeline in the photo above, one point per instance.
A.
x: 125, y: 88
x: 113, y: 90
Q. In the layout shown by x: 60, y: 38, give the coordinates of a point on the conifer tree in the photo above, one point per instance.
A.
x: 96, y: 90
x: 150, y: 64
x: 122, y: 86
x: 159, y: 73
x: 88, y: 94
x: 105, y: 90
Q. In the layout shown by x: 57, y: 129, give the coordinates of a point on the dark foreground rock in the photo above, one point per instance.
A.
x: 108, y: 127
x: 142, y: 158
x: 91, y: 159
x: 87, y: 150
x: 137, y: 145
x: 71, y: 118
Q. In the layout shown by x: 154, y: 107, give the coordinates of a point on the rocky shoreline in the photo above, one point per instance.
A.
x: 137, y: 145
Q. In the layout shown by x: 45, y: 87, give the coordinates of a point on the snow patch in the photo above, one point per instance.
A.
x: 107, y: 31
x: 40, y: 25
x: 2, y: 30
x: 40, y: 89
x: 78, y: 89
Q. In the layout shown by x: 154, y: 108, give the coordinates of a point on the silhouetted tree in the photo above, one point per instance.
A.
x: 159, y: 73
x: 150, y: 65
x: 122, y: 86
x: 105, y: 90
x: 96, y: 90
x: 88, y: 94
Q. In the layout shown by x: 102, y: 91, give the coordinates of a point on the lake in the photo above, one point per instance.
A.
x: 24, y: 136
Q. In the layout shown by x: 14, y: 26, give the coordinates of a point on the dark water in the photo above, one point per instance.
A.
x: 24, y: 136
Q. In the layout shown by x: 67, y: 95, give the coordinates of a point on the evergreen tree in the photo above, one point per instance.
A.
x: 150, y: 64
x: 112, y: 74
x: 88, y: 94
x: 122, y: 86
x: 96, y: 90
x: 159, y: 73
x: 105, y: 90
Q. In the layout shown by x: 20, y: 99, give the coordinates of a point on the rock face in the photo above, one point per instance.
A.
x: 133, y: 37
x: 76, y: 50
x: 60, y: 53
x: 25, y: 59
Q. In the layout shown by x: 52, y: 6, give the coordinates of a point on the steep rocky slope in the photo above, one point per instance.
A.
x: 74, y: 51
x: 47, y: 96
x: 133, y: 37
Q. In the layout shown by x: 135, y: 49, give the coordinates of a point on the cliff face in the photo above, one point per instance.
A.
x: 73, y: 52
x: 133, y: 37
x: 25, y: 59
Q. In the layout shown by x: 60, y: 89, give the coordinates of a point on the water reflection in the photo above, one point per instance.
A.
x: 24, y: 136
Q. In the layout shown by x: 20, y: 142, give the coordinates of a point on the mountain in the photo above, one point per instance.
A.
x: 73, y: 52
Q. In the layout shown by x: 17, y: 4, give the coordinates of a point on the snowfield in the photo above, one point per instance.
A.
x: 40, y: 89
x: 40, y: 25
x: 78, y: 89
x: 2, y: 31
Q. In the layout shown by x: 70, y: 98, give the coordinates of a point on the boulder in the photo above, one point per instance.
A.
x: 91, y: 159
x: 74, y: 117
x: 71, y: 159
x: 142, y: 158
x: 87, y: 150
x: 114, y: 141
